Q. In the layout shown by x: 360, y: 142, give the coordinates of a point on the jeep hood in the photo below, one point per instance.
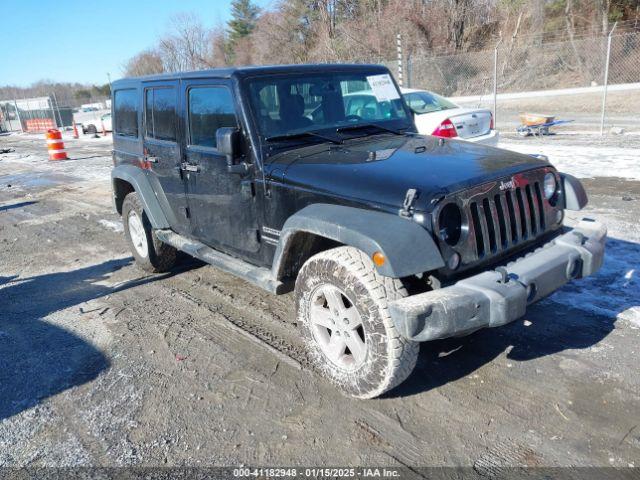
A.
x: 379, y: 170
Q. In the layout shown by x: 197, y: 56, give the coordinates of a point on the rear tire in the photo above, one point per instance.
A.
x: 150, y: 253
x: 342, y: 305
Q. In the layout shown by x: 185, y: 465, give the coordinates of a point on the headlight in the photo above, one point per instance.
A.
x: 450, y: 224
x: 550, y: 185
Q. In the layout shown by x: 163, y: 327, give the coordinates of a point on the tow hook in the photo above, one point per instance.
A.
x: 504, y: 275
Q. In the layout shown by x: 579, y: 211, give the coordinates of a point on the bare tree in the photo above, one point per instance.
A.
x: 144, y: 63
x: 297, y: 31
x: 187, y: 46
x: 570, y: 23
x: 218, y: 52
x: 283, y: 35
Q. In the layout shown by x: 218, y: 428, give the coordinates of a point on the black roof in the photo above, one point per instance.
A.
x: 250, y: 71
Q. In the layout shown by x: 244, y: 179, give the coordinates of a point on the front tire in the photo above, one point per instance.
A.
x: 343, y: 314
x: 150, y: 253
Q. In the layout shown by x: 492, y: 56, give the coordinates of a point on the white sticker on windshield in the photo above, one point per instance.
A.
x: 383, y: 87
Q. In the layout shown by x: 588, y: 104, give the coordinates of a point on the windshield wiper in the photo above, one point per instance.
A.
x: 308, y: 134
x: 361, y: 126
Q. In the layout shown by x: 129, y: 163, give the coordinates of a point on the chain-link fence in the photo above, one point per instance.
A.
x: 35, y: 114
x: 29, y: 114
x: 568, y: 78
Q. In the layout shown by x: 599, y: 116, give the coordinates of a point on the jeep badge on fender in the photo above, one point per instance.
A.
x: 312, y: 178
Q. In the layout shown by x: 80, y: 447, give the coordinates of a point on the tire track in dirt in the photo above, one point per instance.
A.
x: 259, y: 333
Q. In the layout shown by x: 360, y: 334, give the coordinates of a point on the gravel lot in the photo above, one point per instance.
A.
x: 585, y: 110
x: 103, y: 365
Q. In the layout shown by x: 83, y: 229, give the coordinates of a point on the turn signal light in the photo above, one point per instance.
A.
x: 378, y: 259
x: 446, y: 130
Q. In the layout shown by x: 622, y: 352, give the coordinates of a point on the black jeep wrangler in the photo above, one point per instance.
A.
x: 313, y: 178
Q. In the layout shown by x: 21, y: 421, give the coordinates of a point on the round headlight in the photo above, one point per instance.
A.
x: 450, y: 224
x: 550, y: 185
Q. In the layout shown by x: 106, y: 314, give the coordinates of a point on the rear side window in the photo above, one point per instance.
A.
x: 160, y: 113
x: 126, y: 111
x: 210, y: 108
x: 427, y: 102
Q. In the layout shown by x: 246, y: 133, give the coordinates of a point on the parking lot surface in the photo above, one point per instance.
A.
x: 105, y: 365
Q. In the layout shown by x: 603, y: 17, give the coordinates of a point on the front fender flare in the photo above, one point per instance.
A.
x: 137, y: 178
x: 408, y: 247
x: 574, y: 193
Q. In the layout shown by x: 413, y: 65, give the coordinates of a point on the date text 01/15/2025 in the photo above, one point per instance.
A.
x: 317, y: 472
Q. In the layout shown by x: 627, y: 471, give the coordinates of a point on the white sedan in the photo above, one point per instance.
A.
x: 435, y: 115
x: 92, y: 123
x: 105, y: 121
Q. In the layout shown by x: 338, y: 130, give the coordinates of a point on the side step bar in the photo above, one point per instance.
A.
x: 259, y: 276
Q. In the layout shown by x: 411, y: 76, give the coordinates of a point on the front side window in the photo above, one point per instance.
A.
x: 126, y: 112
x: 210, y: 108
x: 290, y: 104
x: 160, y: 113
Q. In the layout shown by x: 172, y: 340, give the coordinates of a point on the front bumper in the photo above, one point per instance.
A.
x: 497, y: 297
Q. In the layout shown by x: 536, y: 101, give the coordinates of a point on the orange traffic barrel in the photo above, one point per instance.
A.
x: 55, y: 145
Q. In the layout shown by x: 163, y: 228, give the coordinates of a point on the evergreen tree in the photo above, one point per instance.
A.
x: 244, y: 15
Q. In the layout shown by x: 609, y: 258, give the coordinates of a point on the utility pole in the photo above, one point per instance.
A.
x: 399, y: 50
x: 606, y: 80
x: 495, y: 84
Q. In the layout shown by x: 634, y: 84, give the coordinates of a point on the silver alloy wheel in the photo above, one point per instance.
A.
x: 337, y: 327
x: 137, y: 234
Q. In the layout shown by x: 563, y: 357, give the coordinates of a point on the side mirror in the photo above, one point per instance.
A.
x: 228, y: 143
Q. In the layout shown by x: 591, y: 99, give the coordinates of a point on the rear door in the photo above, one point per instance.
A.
x: 162, y: 151
x: 222, y: 204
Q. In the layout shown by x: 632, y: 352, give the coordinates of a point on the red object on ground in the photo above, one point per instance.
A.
x: 55, y: 145
x: 75, y: 131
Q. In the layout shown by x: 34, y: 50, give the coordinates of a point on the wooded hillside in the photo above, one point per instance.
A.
x: 297, y: 31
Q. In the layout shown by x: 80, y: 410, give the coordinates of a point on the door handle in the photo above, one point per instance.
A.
x: 189, y: 168
x: 151, y: 159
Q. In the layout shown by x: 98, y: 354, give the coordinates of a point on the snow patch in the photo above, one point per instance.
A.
x: 116, y: 226
x: 548, y: 93
x: 585, y: 162
x: 614, y: 291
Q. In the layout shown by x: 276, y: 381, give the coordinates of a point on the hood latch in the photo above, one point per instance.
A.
x: 409, y: 201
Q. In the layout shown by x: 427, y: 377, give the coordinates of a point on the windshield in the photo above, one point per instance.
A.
x: 290, y: 105
x: 426, y: 102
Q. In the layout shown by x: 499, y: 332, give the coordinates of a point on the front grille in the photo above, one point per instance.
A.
x: 507, y: 218
x: 501, y: 220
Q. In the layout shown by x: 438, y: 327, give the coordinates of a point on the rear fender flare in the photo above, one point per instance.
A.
x: 140, y: 183
x: 408, y: 248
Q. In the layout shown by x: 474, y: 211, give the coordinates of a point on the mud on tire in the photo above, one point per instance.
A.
x: 388, y: 358
x: 158, y: 256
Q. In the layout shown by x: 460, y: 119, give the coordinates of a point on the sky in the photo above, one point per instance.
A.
x: 80, y: 41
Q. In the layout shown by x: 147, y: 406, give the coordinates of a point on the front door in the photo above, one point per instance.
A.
x: 222, y: 204
x: 162, y: 151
